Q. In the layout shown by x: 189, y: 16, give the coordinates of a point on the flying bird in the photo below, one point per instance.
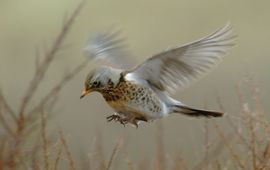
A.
x: 142, y: 93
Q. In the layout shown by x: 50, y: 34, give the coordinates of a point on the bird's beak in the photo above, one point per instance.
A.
x: 84, y: 93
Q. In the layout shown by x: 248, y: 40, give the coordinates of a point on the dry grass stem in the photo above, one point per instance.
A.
x: 44, y: 139
x: 235, y: 157
x: 48, y: 58
x: 129, y: 162
x: 206, y: 144
x: 160, y: 160
x: 68, y: 153
x: 6, y: 107
x: 6, y: 125
x: 114, y: 152
x: 17, y: 132
x: 56, y: 89
x: 58, y: 157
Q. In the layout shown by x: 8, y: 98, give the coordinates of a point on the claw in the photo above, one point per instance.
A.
x: 125, y: 120
x: 122, y: 122
x: 113, y: 117
x: 136, y: 125
x: 134, y: 122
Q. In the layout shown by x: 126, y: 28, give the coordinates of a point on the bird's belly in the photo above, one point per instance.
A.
x: 138, y: 110
x: 135, y: 100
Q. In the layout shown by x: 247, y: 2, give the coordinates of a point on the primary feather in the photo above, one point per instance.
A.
x: 108, y: 49
x: 177, y: 67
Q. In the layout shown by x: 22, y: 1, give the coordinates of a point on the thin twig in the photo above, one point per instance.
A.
x: 6, y: 125
x: 55, y: 90
x: 160, y: 148
x: 3, y: 143
x: 232, y: 125
x: 231, y: 151
x: 35, y: 163
x: 6, y: 106
x: 266, y: 156
x: 252, y: 141
x: 129, y: 162
x: 116, y: 148
x: 66, y: 148
x: 179, y: 163
x: 57, y: 159
x: 44, y: 139
x: 206, y: 144
x: 48, y: 58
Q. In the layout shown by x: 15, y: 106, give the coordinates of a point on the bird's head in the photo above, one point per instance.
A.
x: 100, y: 78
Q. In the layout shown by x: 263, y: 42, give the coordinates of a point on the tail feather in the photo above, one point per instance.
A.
x: 195, y: 112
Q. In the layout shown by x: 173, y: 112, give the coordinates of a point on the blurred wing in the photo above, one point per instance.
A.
x: 108, y: 49
x: 177, y: 67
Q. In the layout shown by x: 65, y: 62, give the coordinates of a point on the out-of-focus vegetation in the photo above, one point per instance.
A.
x: 241, y: 142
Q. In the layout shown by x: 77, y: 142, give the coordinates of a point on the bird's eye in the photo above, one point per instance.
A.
x: 95, y: 83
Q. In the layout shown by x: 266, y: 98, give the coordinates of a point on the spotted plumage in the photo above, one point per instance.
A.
x: 142, y: 93
x: 128, y: 96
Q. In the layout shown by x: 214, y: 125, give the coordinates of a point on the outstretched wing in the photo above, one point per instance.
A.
x: 177, y: 67
x: 109, y: 49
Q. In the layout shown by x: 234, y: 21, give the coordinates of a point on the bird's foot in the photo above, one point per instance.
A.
x: 133, y: 121
x: 117, y: 118
x: 125, y: 120
x: 113, y: 117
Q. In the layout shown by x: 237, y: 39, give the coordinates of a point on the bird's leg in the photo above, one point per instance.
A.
x: 131, y: 119
x: 125, y: 119
x: 114, y: 117
x: 134, y: 121
x: 117, y: 118
x: 142, y: 119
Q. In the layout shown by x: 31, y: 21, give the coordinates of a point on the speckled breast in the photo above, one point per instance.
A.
x: 130, y: 97
x: 123, y: 91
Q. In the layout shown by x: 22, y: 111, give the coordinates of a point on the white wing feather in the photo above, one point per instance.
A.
x: 108, y: 49
x: 177, y: 67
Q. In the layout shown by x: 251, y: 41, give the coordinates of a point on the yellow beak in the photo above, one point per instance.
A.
x: 84, y: 93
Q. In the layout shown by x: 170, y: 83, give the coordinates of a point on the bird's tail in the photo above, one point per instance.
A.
x: 194, y: 112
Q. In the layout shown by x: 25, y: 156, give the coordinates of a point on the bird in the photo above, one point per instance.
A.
x: 142, y: 93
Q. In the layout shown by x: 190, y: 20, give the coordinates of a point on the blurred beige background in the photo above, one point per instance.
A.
x: 150, y: 26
